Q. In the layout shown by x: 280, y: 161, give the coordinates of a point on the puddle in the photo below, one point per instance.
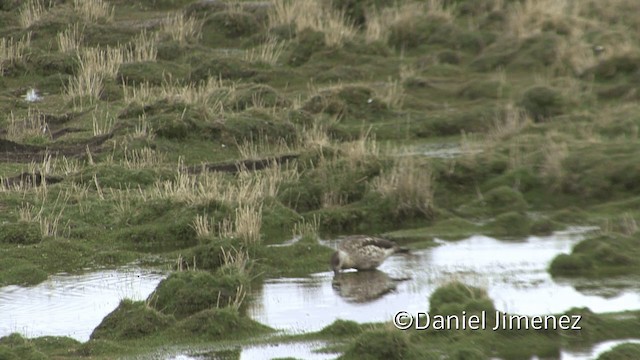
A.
x: 71, y: 305
x: 514, y: 274
x: 298, y: 350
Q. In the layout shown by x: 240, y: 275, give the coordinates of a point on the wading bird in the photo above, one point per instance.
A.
x: 363, y: 252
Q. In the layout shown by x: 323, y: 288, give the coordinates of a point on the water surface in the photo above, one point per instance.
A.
x: 71, y: 305
x: 513, y: 272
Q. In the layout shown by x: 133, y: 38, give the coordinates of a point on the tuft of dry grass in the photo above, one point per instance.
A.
x: 267, y: 53
x: 142, y: 158
x: 181, y: 28
x: 70, y: 39
x: 316, y: 15
x: 203, y: 225
x: 409, y: 185
x: 12, y: 51
x: 248, y: 222
x: 31, y: 12
x: 553, y: 155
x: 96, y: 65
x: 510, y: 122
x: 102, y: 126
x: 94, y: 10
x: 51, y: 223
x: 32, y: 125
x: 307, y: 228
x: 143, y: 48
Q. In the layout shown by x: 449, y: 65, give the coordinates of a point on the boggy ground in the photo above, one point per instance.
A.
x: 193, y: 133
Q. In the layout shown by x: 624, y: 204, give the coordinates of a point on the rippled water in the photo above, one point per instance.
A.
x: 513, y: 272
x: 71, y: 305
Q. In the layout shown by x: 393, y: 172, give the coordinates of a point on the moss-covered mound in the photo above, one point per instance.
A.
x: 380, y: 344
x: 131, y: 320
x: 220, y: 323
x: 599, y: 256
x: 455, y: 297
x: 187, y: 292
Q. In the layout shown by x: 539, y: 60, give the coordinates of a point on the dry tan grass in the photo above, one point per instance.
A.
x: 181, y: 28
x: 261, y: 147
x: 553, y: 155
x: 209, y: 94
x: 379, y: 22
x: 203, y: 225
x: 70, y: 39
x: 32, y: 125
x: 392, y: 94
x: 50, y: 220
x: 511, y: 122
x: 31, y: 12
x: 94, y: 10
x: 11, y: 51
x: 142, y: 158
x: 143, y: 48
x: 526, y: 18
x: 315, y: 15
x: 307, y: 228
x: 267, y: 53
x: 102, y: 124
x: 248, y: 222
x: 409, y: 185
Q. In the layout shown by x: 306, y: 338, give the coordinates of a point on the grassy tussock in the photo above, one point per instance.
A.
x: 11, y: 51
x: 267, y: 53
x: 102, y: 124
x: 409, y: 185
x: 307, y: 228
x: 261, y: 147
x: 142, y: 158
x: 31, y: 12
x: 511, y: 122
x: 553, y: 155
x: 70, y: 39
x: 315, y: 15
x: 183, y: 29
x: 143, y: 48
x: 526, y: 18
x: 31, y: 126
x: 49, y: 216
x: 94, y: 10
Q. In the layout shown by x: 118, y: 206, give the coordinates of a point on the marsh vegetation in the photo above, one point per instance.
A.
x: 192, y: 135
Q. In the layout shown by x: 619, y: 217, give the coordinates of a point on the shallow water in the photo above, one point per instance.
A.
x: 71, y: 305
x: 299, y: 350
x: 307, y: 350
x: 514, y: 274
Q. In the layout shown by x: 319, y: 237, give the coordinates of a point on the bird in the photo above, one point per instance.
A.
x: 363, y: 252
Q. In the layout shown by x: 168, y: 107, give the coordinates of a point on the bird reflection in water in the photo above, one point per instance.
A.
x: 363, y: 286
